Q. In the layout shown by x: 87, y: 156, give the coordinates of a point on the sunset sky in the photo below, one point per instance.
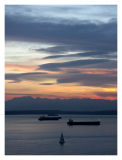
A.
x: 65, y: 51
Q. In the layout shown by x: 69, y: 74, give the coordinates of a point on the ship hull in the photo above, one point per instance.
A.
x: 84, y: 123
x: 49, y: 118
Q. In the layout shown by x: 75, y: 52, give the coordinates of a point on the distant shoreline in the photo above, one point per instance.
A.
x: 26, y: 112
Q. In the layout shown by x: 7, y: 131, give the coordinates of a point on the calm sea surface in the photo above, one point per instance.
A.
x: 25, y: 135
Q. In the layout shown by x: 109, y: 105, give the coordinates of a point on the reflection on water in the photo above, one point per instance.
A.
x: 25, y: 135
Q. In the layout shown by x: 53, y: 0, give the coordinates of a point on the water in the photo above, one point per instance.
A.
x: 25, y: 135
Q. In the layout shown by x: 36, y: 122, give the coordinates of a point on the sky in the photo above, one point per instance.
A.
x: 64, y: 51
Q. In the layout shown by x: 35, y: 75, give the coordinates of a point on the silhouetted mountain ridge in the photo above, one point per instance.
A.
x: 74, y: 105
x: 61, y: 112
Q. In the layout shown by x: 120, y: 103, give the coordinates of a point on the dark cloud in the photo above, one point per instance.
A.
x: 77, y: 63
x: 85, y: 54
x: 77, y: 77
x: 71, y: 37
x: 106, y: 94
x: 17, y: 77
x: 56, y: 49
x: 12, y: 82
x: 90, y: 79
x: 47, y: 83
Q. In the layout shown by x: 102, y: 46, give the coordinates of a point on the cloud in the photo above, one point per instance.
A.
x: 77, y: 63
x: 13, y: 82
x: 94, y: 54
x: 17, y: 77
x: 47, y: 83
x: 56, y: 49
x: 55, y: 13
x: 95, y: 43
x: 76, y: 76
x: 68, y: 37
x: 98, y: 80
x: 106, y: 94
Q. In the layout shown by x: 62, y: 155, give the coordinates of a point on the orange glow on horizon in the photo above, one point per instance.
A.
x: 62, y: 91
x: 9, y: 97
x: 56, y: 90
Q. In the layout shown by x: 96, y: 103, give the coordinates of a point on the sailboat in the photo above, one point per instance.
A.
x: 61, y: 141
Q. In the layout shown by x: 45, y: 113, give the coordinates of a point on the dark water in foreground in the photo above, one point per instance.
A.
x: 25, y: 135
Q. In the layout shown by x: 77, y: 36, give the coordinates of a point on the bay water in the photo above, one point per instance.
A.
x: 26, y: 135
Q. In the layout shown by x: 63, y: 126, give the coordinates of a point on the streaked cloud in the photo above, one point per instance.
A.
x: 107, y: 79
x: 90, y: 80
x: 77, y: 63
x: 47, y: 83
x: 75, y: 37
x: 17, y: 77
x: 97, y: 54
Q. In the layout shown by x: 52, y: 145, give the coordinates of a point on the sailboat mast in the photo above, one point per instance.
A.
x: 61, y: 141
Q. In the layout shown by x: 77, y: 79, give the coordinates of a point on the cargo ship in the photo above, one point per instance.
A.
x: 71, y: 122
x: 42, y: 118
